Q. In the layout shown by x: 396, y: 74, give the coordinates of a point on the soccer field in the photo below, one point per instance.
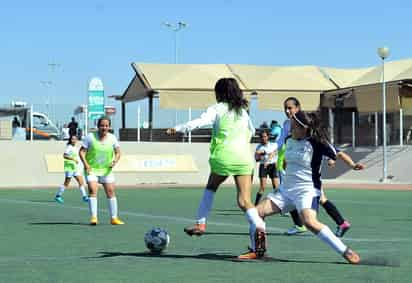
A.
x: 42, y: 241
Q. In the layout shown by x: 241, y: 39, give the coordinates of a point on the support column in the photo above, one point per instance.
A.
x: 353, y: 130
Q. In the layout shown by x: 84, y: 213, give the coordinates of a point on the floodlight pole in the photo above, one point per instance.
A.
x: 383, y: 53
x: 175, y: 28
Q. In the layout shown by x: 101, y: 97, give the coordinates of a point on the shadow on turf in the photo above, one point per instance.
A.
x: 377, y: 261
x: 60, y: 223
x: 275, y: 234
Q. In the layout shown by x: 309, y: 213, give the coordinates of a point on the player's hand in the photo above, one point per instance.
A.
x: 359, y: 166
x: 171, y: 131
x: 331, y: 163
x: 114, y: 162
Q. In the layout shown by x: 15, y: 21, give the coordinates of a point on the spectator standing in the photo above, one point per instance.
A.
x: 73, y: 125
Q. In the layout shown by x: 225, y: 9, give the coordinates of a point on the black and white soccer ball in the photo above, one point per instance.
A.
x: 157, y: 240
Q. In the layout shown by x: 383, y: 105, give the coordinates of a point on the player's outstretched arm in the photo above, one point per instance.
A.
x: 348, y: 160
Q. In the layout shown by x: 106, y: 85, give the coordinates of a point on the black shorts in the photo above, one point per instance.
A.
x: 270, y: 171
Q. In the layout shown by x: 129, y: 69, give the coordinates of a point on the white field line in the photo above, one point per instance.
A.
x: 185, y: 220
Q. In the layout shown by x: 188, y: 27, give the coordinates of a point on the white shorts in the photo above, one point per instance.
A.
x: 69, y: 174
x: 305, y: 199
x: 101, y: 179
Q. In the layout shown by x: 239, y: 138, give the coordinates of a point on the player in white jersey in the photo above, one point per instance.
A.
x: 72, y: 168
x: 291, y: 106
x: 266, y: 156
x: 301, y: 188
x: 230, y: 155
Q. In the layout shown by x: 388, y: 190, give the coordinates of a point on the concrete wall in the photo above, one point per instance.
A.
x: 23, y: 164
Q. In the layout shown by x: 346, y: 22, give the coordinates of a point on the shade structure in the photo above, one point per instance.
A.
x: 185, y: 99
x: 273, y: 100
x: 183, y: 86
x: 369, y: 98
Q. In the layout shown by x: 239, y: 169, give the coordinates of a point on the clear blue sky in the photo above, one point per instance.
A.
x: 101, y: 38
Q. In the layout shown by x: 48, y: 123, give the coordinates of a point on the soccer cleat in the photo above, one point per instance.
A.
x: 260, y: 243
x: 197, y: 229
x: 93, y: 221
x: 85, y: 198
x: 296, y: 230
x: 342, y: 229
x: 351, y: 256
x: 59, y: 199
x: 248, y: 255
x: 116, y: 221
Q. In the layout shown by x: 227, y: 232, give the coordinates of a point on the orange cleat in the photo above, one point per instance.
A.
x: 351, y: 256
x: 116, y: 221
x: 248, y: 255
x: 197, y: 229
x: 93, y: 221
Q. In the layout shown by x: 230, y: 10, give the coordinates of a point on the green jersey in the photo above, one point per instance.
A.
x: 100, y: 154
x: 71, y: 165
x: 230, y: 148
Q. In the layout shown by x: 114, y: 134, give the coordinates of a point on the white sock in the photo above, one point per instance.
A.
x: 255, y: 221
x: 327, y: 236
x: 205, y: 206
x: 253, y: 217
x: 83, y: 191
x: 61, y: 190
x: 113, y: 207
x: 93, y: 206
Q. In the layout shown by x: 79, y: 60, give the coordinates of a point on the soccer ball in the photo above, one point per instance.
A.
x: 156, y: 240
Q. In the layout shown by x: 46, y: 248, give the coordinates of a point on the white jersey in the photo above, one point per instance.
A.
x: 268, y: 148
x: 304, y: 158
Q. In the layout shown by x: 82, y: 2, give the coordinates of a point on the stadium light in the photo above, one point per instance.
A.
x: 383, y: 53
x: 175, y: 28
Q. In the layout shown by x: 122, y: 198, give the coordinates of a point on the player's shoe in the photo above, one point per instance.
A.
x: 197, y: 229
x: 93, y: 220
x: 260, y: 243
x: 116, y: 221
x: 296, y: 230
x: 342, y: 229
x: 351, y: 256
x: 248, y: 255
x: 85, y: 198
x: 59, y: 199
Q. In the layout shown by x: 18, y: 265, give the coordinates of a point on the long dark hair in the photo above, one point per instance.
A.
x: 317, y: 130
x: 228, y: 90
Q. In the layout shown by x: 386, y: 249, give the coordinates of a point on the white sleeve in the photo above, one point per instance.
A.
x: 115, y: 142
x: 251, y: 127
x: 207, y: 118
x: 68, y: 150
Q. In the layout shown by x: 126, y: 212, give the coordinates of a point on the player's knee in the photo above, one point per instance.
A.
x: 311, y: 223
x: 243, y: 203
